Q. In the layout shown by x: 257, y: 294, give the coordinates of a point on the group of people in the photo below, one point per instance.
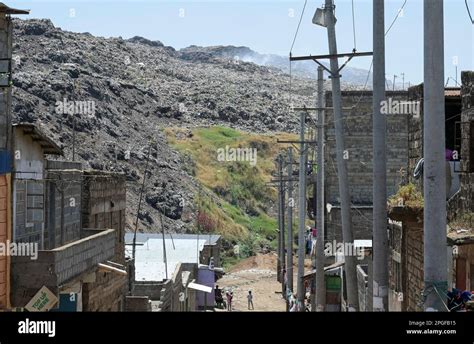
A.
x: 229, y: 294
x: 458, y: 299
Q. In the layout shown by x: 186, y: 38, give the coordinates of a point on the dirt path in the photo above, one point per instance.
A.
x: 257, y: 274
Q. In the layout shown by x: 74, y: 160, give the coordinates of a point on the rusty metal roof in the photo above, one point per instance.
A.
x: 452, y: 92
x: 48, y: 145
x: 8, y: 10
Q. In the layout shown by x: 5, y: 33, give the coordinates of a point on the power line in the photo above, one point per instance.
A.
x: 468, y: 11
x: 354, y: 27
x: 396, y: 17
x: 298, y: 27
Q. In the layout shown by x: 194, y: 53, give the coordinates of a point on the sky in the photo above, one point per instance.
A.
x: 269, y: 26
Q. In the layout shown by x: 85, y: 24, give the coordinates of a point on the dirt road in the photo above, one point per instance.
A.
x: 257, y: 274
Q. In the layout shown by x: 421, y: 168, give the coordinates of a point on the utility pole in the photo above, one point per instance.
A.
x: 74, y: 123
x: 282, y: 222
x: 301, y: 215
x: 164, y: 242
x: 379, y: 199
x: 394, y: 81
x: 280, y: 210
x: 350, y: 263
x: 434, y: 176
x: 320, y: 257
x: 138, y: 213
x: 291, y: 203
x: 403, y: 81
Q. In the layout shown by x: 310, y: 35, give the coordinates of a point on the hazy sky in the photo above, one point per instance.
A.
x: 267, y: 26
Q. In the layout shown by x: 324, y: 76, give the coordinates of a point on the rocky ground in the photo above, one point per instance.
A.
x: 138, y: 88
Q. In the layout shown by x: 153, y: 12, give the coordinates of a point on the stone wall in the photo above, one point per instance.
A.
x: 414, y: 265
x: 466, y: 203
x: 106, y: 294
x: 362, y: 281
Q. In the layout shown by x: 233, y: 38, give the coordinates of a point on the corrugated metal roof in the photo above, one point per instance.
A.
x: 452, y: 92
x: 149, y: 262
x: 143, y: 237
x: 48, y: 145
x: 8, y: 10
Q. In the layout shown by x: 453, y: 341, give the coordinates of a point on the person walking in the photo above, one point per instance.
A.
x: 228, y: 295
x: 250, y: 300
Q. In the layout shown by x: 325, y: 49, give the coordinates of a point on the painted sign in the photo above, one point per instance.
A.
x: 43, y: 301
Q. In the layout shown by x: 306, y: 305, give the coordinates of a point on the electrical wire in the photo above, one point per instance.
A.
x: 354, y: 28
x: 298, y: 27
x: 469, y: 11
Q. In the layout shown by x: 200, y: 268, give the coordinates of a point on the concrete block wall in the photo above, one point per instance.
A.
x: 81, y: 255
x: 4, y: 237
x: 414, y: 266
x: 150, y: 289
x: 104, y: 204
x: 55, y: 267
x: 361, y: 224
x: 63, y: 210
x: 358, y: 143
x: 107, y: 294
x: 137, y: 304
x: 29, y: 211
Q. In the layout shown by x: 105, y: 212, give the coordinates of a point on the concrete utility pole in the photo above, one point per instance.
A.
x: 379, y: 200
x: 320, y: 257
x: 282, y: 221
x: 291, y: 203
x: 280, y: 224
x: 434, y: 176
x: 350, y: 263
x: 301, y: 215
